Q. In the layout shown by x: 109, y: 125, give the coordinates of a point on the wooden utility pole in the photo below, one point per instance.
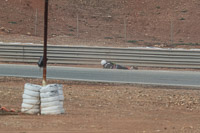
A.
x: 45, y: 42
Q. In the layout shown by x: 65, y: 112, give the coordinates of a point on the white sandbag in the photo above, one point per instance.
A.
x: 60, y: 92
x: 31, y: 101
x: 50, y: 99
x: 61, y: 97
x: 61, y: 103
x: 50, y: 104
x: 48, y: 88
x: 53, y: 112
x: 25, y: 96
x: 49, y: 94
x: 51, y: 108
x: 60, y: 87
x: 30, y: 111
x: 62, y: 111
x: 32, y: 93
x: 30, y: 106
x: 32, y: 87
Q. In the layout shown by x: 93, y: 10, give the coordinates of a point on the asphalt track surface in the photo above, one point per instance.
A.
x: 149, y: 77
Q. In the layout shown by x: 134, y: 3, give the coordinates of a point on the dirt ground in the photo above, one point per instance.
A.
x: 103, y: 107
x: 106, y: 108
x: 113, y: 23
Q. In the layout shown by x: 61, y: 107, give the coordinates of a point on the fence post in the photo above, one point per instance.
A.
x: 77, y: 26
x: 171, y: 34
x: 36, y: 21
x: 125, y: 30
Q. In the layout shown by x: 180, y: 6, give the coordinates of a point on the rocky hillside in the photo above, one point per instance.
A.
x: 108, y: 22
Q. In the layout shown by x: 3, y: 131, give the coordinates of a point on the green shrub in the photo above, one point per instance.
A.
x: 132, y: 41
x: 108, y: 37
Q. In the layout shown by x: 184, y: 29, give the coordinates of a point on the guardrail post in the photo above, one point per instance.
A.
x: 23, y: 53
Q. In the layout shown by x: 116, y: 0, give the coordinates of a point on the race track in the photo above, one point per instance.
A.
x: 150, y: 77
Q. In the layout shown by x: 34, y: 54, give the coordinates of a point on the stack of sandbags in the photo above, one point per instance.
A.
x: 51, y: 99
x: 60, y: 92
x: 31, y: 99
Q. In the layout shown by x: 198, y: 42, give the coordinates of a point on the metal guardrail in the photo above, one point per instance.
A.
x: 142, y: 57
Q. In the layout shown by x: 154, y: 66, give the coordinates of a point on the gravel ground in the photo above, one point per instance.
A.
x: 102, y: 107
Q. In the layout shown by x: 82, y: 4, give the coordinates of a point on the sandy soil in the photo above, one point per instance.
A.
x: 116, y: 23
x: 106, y: 108
x: 100, y: 107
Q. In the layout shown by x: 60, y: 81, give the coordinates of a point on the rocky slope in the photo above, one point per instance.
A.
x: 107, y: 22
